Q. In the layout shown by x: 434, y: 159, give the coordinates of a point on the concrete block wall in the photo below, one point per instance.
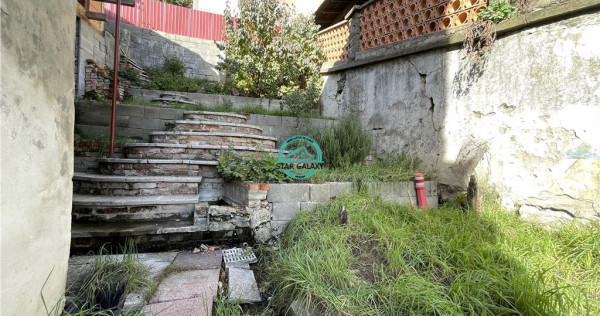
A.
x: 93, y: 118
x: 147, y: 48
x: 91, y: 44
x: 208, y: 99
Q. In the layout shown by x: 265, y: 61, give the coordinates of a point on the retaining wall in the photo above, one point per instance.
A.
x: 93, y: 118
x: 147, y: 48
x: 524, y: 119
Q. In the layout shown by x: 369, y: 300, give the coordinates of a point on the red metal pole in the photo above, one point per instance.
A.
x: 115, y: 91
x: 420, y: 189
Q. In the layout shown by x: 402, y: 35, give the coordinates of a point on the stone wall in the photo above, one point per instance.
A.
x: 93, y: 118
x: 91, y: 44
x: 525, y: 119
x: 147, y: 48
x: 36, y: 153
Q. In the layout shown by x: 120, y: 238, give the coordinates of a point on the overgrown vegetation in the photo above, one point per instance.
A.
x: 394, y: 169
x: 498, y: 11
x: 343, y: 144
x: 395, y: 260
x: 271, y: 52
x: 260, y: 168
x: 171, y: 77
x: 104, y: 287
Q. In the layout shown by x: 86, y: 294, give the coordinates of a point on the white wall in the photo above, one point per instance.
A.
x: 36, y: 160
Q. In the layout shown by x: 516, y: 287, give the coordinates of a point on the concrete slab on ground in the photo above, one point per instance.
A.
x: 199, y: 261
x: 188, y: 284
x: 242, y: 286
x: 187, y: 307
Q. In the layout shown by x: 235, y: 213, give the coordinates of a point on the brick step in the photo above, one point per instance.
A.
x: 213, y: 126
x: 111, y: 209
x: 97, y: 184
x: 214, y: 116
x: 157, y: 167
x: 185, y: 151
x: 213, y: 138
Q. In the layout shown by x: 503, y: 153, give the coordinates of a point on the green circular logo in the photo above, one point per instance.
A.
x: 300, y: 157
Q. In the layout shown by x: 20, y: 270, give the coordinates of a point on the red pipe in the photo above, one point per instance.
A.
x: 420, y: 188
x: 115, y: 91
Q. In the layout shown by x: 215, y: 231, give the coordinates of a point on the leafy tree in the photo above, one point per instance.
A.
x: 269, y: 51
x: 182, y: 3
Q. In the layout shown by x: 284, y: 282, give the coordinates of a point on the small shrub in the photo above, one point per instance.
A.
x: 498, y: 11
x: 181, y: 3
x: 131, y: 74
x: 344, y: 143
x: 302, y: 101
x: 261, y: 168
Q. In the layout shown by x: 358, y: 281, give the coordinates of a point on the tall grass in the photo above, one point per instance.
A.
x: 394, y: 260
x: 104, y: 287
x: 343, y: 144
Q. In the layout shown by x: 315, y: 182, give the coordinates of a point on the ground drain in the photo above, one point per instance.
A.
x: 238, y: 255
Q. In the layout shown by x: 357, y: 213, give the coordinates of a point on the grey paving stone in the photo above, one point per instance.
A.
x: 242, y: 286
x: 199, y: 261
x: 241, y: 265
x: 188, y: 284
x: 186, y: 307
x: 285, y: 211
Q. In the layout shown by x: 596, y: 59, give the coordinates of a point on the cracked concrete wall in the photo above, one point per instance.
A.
x: 36, y: 163
x: 526, y: 121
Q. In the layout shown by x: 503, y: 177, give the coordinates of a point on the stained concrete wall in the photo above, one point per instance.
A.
x: 147, y: 48
x: 525, y: 120
x: 36, y: 152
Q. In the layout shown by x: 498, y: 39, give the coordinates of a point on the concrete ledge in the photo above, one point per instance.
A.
x: 158, y: 161
x: 98, y: 200
x: 456, y: 36
x: 141, y: 179
x: 215, y: 134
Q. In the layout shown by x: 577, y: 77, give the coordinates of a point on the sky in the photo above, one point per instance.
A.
x: 218, y: 6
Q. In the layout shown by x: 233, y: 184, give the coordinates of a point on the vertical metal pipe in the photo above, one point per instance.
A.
x: 115, y: 90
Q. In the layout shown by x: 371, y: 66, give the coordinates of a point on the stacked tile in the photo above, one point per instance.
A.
x: 388, y: 21
x: 335, y: 42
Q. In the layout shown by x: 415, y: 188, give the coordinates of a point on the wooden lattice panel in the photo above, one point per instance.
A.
x: 388, y: 21
x: 335, y: 43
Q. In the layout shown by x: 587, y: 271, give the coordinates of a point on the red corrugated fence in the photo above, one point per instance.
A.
x: 172, y: 19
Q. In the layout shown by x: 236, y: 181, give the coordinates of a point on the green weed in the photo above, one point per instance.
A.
x: 396, y: 260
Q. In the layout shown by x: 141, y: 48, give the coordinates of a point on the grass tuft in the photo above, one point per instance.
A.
x: 396, y: 260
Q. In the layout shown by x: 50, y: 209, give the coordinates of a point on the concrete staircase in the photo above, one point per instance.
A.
x: 158, y: 192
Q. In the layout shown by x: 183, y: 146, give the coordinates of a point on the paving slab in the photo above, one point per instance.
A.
x: 188, y: 284
x: 187, y: 307
x: 242, y: 286
x: 199, y: 261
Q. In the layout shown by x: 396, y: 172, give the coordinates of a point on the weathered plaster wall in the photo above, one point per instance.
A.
x: 147, y: 48
x: 526, y: 121
x: 36, y: 152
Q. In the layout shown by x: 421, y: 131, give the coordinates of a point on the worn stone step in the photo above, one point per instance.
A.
x: 242, y: 286
x: 166, y: 208
x: 213, y: 138
x: 157, y: 167
x: 185, y: 151
x: 97, y: 184
x: 213, y: 126
x: 214, y: 116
